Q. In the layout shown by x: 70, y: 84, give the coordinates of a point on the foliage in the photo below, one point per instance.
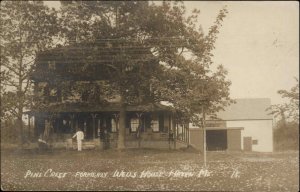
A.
x: 179, y: 54
x: 8, y: 131
x: 286, y: 136
x: 288, y: 111
x: 286, y: 132
x: 27, y: 27
x: 154, y: 51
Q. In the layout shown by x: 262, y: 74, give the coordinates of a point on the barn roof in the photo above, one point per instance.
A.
x: 247, y: 109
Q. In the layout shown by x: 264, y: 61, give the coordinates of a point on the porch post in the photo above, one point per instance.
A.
x: 72, y: 122
x: 182, y: 132
x: 29, y: 127
x: 35, y: 133
x: 76, y: 124
x: 169, y: 126
x: 116, y: 117
x: 186, y: 133
x: 139, y: 127
x: 177, y: 130
x: 94, y: 125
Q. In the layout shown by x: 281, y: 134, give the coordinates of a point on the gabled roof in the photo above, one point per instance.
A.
x: 247, y: 109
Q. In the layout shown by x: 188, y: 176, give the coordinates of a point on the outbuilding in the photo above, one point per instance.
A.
x: 244, y: 125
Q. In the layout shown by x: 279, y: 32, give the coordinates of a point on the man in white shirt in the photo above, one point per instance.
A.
x: 79, y: 136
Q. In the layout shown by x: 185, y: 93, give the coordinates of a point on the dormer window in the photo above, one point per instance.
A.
x: 51, y: 65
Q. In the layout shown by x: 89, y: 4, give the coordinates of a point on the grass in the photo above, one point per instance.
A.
x: 167, y: 170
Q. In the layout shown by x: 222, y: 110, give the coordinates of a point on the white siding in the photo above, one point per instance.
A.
x: 260, y: 130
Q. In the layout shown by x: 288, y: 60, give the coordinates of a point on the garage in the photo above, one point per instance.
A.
x: 216, y: 140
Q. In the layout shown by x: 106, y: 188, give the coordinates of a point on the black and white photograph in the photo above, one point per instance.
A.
x: 149, y: 95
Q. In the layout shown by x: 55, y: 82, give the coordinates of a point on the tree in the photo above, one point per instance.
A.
x: 174, y: 58
x: 27, y: 27
x: 288, y: 111
x: 286, y: 133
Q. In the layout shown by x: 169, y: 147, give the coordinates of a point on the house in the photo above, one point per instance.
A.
x: 244, y: 125
x: 71, y: 94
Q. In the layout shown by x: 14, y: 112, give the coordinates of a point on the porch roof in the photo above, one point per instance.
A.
x: 88, y: 107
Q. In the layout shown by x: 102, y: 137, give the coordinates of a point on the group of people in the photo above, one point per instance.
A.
x: 104, y: 138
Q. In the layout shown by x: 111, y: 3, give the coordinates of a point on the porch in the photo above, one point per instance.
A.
x: 154, y: 128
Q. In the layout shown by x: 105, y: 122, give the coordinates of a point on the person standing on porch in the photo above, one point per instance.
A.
x: 79, y: 136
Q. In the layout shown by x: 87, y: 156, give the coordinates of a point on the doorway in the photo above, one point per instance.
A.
x: 247, y: 143
x: 216, y: 140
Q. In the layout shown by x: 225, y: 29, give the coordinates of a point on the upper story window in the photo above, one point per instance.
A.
x: 51, y: 65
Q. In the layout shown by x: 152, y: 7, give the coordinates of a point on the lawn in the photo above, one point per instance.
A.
x: 149, y: 169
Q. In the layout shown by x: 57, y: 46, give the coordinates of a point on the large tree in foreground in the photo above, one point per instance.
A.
x: 174, y: 62
x: 27, y: 27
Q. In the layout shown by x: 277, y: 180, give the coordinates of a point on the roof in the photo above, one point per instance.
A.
x: 247, y: 109
x: 90, y: 61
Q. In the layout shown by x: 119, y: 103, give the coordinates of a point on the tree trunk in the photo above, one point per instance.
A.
x: 283, y: 118
x: 122, y: 121
x: 20, y: 128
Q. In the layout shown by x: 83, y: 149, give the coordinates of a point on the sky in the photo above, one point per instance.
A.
x: 258, y: 44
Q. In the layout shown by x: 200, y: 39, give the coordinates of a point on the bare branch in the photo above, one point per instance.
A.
x: 10, y: 68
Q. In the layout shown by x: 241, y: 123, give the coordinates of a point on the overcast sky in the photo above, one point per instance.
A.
x: 258, y: 45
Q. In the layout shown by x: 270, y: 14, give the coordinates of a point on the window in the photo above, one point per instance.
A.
x: 134, y: 124
x: 113, y: 125
x: 179, y: 131
x: 254, y: 142
x: 51, y: 65
x: 155, y: 124
x: 66, y: 126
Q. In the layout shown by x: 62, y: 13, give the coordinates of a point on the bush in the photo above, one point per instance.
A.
x: 286, y: 137
x: 9, y: 132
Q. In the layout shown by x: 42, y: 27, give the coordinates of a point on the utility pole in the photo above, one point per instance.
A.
x: 203, y: 125
x: 204, y: 135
